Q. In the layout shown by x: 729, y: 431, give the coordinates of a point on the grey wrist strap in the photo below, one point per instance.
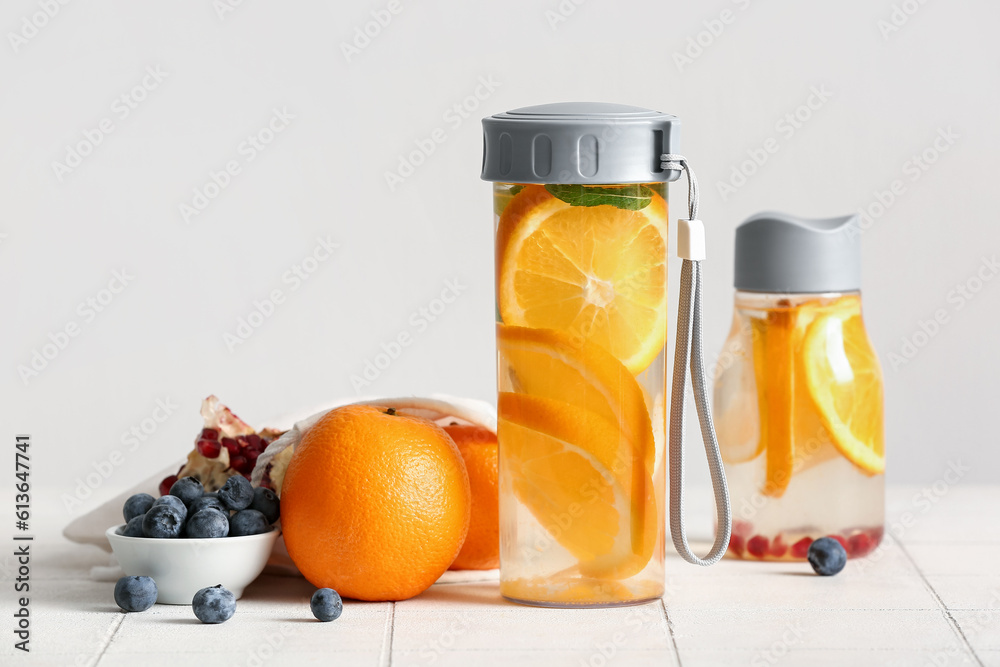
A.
x: 688, y: 351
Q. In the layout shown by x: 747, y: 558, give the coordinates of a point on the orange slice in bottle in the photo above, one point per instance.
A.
x: 773, y: 356
x: 573, y: 470
x: 845, y: 382
x: 552, y: 364
x: 596, y: 272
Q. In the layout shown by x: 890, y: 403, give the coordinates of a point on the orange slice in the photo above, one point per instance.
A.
x: 596, y: 272
x: 845, y: 382
x: 774, y: 357
x: 551, y: 364
x: 573, y: 470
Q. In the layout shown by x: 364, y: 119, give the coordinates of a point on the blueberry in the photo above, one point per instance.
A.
x: 214, y: 604
x: 326, y: 604
x: 187, y: 489
x: 247, y: 522
x: 827, y: 556
x: 172, y: 501
x: 135, y: 593
x: 207, y: 500
x: 134, y: 527
x: 137, y: 505
x: 236, y: 493
x: 162, y: 521
x: 208, y: 522
x: 266, y: 502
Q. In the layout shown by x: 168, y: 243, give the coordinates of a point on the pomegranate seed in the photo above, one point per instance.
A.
x: 209, y: 434
x: 251, y: 455
x: 801, y: 548
x: 861, y: 544
x: 210, y: 449
x: 231, y: 446
x: 241, y: 464
x: 876, y: 534
x: 253, y: 441
x: 742, y: 528
x: 778, y: 548
x: 736, y: 544
x: 166, y: 484
x: 757, y: 546
x: 843, y: 542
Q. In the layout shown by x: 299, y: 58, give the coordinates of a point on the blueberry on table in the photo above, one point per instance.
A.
x: 187, y: 489
x: 208, y: 522
x: 135, y: 593
x: 214, y: 604
x: 162, y: 521
x: 326, y: 604
x: 137, y: 505
x: 827, y: 556
x: 247, y: 522
x: 207, y: 500
x: 236, y: 493
x: 174, y: 502
x: 266, y: 502
x: 134, y: 527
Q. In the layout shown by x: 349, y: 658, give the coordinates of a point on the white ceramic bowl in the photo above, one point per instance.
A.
x: 181, y: 567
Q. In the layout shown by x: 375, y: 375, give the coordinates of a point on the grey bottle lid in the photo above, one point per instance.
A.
x: 776, y: 252
x: 579, y: 142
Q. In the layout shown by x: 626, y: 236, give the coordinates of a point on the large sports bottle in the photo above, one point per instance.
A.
x: 580, y: 202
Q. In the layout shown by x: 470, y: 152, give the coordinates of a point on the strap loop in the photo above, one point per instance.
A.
x: 689, y: 351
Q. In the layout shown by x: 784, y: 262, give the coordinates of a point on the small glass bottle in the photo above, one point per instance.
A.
x: 798, y: 393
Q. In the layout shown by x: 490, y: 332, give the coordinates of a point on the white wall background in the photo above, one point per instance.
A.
x: 162, y: 337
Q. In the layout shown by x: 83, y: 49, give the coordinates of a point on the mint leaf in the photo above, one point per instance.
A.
x: 628, y: 197
x: 514, y: 189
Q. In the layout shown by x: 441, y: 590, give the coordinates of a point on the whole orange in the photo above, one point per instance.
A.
x: 478, y: 446
x: 374, y: 504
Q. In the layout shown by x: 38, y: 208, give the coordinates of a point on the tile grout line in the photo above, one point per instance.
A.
x: 110, y: 638
x: 944, y: 608
x: 670, y: 632
x: 385, y: 659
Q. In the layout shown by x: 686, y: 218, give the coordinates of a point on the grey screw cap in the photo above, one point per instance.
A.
x: 776, y: 252
x: 579, y: 142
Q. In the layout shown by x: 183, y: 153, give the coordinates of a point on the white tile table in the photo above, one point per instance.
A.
x: 930, y: 597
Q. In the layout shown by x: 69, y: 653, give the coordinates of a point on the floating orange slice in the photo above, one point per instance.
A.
x: 596, y: 272
x: 845, y: 382
x: 551, y: 364
x: 573, y: 470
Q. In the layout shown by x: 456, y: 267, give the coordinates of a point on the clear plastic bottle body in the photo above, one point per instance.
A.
x: 582, y: 399
x: 798, y: 411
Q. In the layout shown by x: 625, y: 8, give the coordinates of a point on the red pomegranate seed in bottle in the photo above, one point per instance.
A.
x: 860, y: 545
x: 209, y: 434
x: 757, y: 546
x: 253, y: 441
x: 210, y: 449
x: 876, y: 534
x: 842, y: 541
x: 736, y: 544
x: 778, y: 548
x: 742, y: 528
x: 166, y: 484
x: 801, y: 548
